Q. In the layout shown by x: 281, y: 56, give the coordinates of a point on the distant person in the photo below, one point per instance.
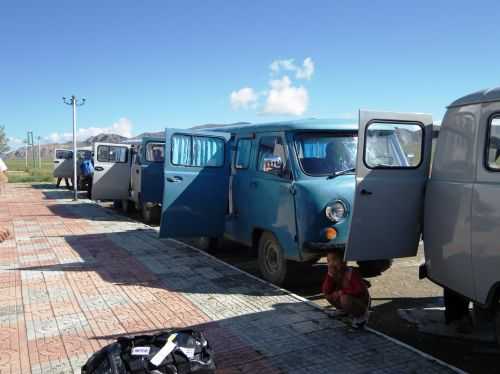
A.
x: 344, y: 288
x: 3, y: 176
x: 336, y: 159
x: 157, y: 155
x: 87, y: 172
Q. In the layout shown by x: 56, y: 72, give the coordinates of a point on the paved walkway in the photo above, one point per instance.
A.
x: 75, y: 276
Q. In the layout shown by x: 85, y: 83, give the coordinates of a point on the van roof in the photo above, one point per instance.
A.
x: 305, y: 124
x: 483, y: 96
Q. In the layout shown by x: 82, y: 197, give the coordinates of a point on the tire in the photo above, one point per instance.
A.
x: 150, y: 213
x: 497, y: 322
x: 147, y: 214
x: 125, y: 206
x: 117, y: 204
x: 373, y: 268
x: 207, y: 244
x: 272, y: 262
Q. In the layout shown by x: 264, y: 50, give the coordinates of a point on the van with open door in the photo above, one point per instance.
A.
x: 111, y: 178
x: 131, y: 174
x: 285, y: 189
x: 146, y: 178
x: 456, y: 210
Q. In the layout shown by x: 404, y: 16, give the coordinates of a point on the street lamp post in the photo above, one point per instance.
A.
x: 74, y: 103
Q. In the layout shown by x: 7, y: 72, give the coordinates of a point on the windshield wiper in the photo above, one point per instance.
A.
x: 341, y: 172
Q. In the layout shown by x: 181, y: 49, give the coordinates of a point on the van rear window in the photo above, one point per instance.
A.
x: 322, y: 154
x: 197, y: 151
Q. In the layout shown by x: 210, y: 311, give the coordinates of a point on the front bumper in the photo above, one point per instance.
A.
x: 322, y: 247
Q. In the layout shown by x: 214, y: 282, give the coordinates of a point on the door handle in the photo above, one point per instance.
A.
x: 56, y: 162
x: 98, y: 168
x: 254, y: 184
x: 137, y: 171
x: 365, y: 192
x: 174, y: 179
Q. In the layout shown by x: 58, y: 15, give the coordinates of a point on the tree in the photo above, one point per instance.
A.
x: 4, y: 147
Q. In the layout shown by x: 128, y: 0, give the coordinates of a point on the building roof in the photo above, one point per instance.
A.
x: 482, y: 96
x: 307, y: 124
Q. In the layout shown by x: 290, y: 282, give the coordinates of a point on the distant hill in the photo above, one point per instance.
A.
x: 47, y: 150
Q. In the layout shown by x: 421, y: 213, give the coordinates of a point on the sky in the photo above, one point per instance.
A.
x: 148, y: 65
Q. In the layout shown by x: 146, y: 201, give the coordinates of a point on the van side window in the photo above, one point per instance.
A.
x: 154, y: 152
x: 242, y: 158
x: 197, y: 151
x: 493, y: 145
x: 110, y: 153
x: 393, y: 145
x: 271, y: 158
x: 62, y: 154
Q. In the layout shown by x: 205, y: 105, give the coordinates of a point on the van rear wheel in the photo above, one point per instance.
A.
x: 272, y: 261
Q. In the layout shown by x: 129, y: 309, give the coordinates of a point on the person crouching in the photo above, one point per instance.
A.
x: 344, y: 288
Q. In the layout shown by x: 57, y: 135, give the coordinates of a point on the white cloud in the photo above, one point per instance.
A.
x: 284, y: 98
x: 121, y: 127
x: 305, y: 71
x: 243, y: 98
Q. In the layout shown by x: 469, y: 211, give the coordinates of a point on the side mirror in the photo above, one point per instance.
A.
x: 272, y: 164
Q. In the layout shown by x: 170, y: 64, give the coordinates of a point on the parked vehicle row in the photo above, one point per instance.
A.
x: 296, y: 190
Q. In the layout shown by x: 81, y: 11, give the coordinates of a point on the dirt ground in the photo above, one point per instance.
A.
x: 397, y: 288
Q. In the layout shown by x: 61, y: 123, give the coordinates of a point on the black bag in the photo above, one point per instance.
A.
x: 191, y: 355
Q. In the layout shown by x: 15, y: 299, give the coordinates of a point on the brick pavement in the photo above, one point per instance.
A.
x: 75, y: 276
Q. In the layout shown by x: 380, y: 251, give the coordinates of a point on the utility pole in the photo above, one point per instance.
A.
x: 32, y: 143
x: 39, y: 154
x: 74, y: 103
x: 26, y: 153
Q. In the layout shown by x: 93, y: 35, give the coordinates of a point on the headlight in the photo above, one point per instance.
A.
x: 335, y: 211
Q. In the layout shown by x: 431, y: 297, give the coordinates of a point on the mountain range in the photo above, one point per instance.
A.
x: 47, y: 150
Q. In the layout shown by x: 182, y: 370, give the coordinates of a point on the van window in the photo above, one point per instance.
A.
x: 393, y: 145
x: 197, y: 151
x: 494, y: 144
x: 322, y: 154
x: 271, y: 158
x: 111, y: 153
x: 154, y: 152
x: 242, y: 158
x: 62, y: 154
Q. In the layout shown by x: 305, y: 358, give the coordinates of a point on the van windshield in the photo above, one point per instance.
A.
x: 322, y: 154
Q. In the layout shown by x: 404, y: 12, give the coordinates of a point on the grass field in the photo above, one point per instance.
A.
x: 19, y: 174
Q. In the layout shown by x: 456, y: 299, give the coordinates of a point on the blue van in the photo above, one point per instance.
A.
x: 131, y: 174
x: 284, y: 188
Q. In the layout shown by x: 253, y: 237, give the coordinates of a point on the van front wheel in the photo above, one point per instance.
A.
x: 272, y: 262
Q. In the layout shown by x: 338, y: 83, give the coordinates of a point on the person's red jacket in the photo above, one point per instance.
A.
x: 352, y: 283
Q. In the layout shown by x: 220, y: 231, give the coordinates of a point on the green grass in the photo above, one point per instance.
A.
x: 19, y: 174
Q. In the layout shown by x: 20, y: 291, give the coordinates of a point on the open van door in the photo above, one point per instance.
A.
x: 63, y: 163
x: 393, y: 159
x: 111, y: 179
x: 195, y: 198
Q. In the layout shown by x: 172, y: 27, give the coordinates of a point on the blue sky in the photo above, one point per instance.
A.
x: 147, y: 65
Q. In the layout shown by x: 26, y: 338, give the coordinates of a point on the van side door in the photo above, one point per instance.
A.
x: 393, y: 159
x: 271, y: 202
x: 111, y: 179
x: 63, y: 163
x: 195, y: 197
x: 152, y: 165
